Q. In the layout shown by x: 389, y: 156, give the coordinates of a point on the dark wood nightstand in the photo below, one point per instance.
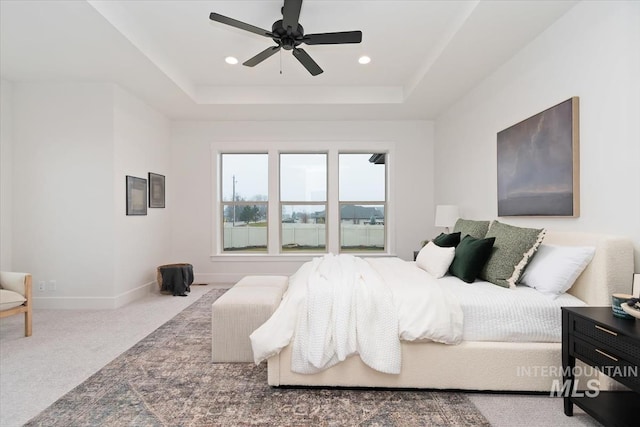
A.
x: 612, y: 345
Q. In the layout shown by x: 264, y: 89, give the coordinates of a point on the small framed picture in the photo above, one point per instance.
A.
x: 136, y: 196
x: 156, y: 190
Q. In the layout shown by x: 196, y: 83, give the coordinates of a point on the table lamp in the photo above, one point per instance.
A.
x: 446, y: 216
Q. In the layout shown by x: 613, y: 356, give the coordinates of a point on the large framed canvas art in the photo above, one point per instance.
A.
x: 538, y: 164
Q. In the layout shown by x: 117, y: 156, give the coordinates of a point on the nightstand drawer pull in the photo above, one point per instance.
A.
x: 607, y: 355
x: 606, y: 330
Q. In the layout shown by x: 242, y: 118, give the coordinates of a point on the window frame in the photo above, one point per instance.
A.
x: 282, y: 202
x: 222, y: 203
x: 342, y: 203
x: 332, y: 149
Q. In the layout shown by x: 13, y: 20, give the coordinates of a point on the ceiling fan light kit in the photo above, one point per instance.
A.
x: 288, y: 34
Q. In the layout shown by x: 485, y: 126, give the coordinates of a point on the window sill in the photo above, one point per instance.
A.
x: 285, y: 257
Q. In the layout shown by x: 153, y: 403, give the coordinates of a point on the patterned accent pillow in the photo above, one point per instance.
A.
x: 512, y: 251
x: 475, y: 229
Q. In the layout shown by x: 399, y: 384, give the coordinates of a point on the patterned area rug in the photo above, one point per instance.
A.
x: 167, y: 379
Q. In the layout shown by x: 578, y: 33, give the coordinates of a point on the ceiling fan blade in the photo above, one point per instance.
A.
x: 261, y: 56
x: 307, y: 61
x: 291, y: 13
x: 239, y: 24
x: 334, y: 38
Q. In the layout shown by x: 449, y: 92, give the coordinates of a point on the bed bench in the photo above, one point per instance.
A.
x: 240, y: 311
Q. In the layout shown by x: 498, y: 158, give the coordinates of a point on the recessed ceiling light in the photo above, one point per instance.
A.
x: 231, y: 60
x: 364, y: 60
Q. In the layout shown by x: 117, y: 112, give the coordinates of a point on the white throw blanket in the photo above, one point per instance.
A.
x: 337, y: 306
x: 348, y: 310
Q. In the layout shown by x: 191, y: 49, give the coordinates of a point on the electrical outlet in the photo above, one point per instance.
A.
x: 42, y: 286
x: 53, y: 285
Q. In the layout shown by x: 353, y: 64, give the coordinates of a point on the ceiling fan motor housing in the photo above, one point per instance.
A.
x: 287, y: 39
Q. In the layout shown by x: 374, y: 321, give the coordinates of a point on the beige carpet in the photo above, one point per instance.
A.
x: 68, y: 346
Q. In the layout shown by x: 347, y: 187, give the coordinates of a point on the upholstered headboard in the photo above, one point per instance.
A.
x: 610, y: 271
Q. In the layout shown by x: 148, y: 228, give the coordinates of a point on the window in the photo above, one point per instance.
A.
x: 362, y: 179
x: 303, y: 202
x: 297, y: 199
x: 244, y: 182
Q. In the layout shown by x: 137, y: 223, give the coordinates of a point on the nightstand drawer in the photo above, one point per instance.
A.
x: 610, y: 364
x: 621, y: 344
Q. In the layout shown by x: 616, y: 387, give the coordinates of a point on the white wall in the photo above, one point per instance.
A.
x: 6, y: 171
x: 411, y: 184
x: 592, y: 52
x: 141, y: 145
x: 72, y: 146
x: 63, y: 226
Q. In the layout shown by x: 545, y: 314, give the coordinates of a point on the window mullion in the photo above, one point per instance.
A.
x: 274, y: 203
x: 333, y: 206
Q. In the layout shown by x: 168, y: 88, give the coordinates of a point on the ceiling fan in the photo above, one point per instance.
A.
x: 288, y: 34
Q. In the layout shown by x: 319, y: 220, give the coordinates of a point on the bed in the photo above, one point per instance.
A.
x: 481, y: 365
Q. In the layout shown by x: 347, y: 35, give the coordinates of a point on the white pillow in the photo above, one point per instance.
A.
x: 435, y: 260
x: 554, y: 269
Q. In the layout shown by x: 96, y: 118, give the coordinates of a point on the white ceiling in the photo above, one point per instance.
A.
x: 425, y: 54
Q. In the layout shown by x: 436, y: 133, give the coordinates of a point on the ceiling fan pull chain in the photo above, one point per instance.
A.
x: 280, y: 62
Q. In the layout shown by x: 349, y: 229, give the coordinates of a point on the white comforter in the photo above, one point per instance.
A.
x: 337, y: 306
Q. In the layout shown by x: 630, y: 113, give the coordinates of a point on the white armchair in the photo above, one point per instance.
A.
x: 15, y: 297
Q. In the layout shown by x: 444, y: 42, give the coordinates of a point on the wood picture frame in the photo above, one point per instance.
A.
x: 136, y: 196
x: 156, y: 190
x: 538, y: 164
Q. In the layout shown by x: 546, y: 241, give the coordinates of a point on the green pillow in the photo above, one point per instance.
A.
x: 476, y: 229
x: 447, y: 240
x: 513, y: 249
x: 471, y: 255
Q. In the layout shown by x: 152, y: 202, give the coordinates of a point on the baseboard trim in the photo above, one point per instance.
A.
x: 73, y: 303
x: 133, y: 294
x: 92, y: 303
x: 109, y: 303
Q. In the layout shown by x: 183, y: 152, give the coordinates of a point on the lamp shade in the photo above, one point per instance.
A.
x: 446, y: 215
